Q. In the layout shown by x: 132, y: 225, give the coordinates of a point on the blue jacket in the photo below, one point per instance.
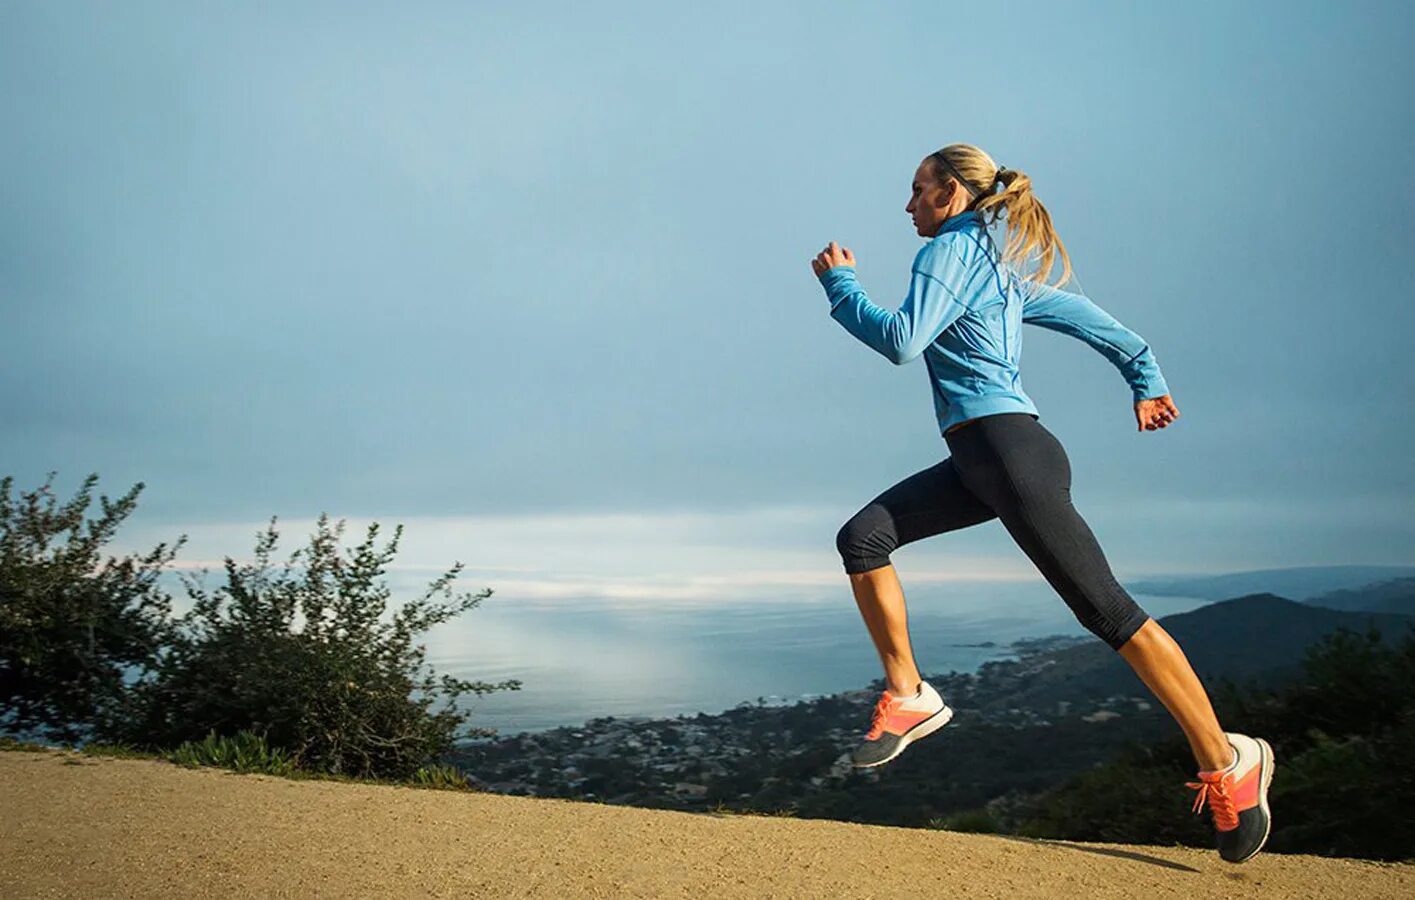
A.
x: 964, y: 313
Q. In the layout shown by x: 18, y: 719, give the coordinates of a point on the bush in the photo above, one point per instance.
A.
x: 442, y: 777
x: 974, y: 821
x: 1352, y: 683
x: 1344, y: 738
x: 1139, y: 797
x: 246, y: 752
x: 72, y: 632
x: 309, y: 663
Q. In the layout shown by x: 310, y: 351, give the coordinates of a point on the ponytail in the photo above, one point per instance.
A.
x: 1029, y: 228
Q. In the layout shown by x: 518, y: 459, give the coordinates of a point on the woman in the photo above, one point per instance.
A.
x: 963, y: 313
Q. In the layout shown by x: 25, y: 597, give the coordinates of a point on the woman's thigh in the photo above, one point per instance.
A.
x: 1022, y: 470
x: 929, y: 502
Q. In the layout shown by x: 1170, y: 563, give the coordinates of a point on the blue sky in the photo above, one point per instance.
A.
x: 533, y: 279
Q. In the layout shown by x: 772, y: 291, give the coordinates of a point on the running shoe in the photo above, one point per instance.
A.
x: 1238, y: 797
x: 898, y: 722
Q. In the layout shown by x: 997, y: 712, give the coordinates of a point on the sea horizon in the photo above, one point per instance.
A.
x: 586, y: 658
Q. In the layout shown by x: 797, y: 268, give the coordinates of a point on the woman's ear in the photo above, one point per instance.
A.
x: 950, y: 190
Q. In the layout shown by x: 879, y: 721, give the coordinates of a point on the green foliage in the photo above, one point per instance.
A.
x: 1344, y: 739
x: 71, y: 629
x: 1344, y: 736
x: 1352, y: 684
x: 1139, y: 797
x: 310, y: 661
x: 10, y: 744
x: 442, y: 777
x: 246, y: 752
x: 117, y: 751
x: 976, y: 821
x: 778, y: 812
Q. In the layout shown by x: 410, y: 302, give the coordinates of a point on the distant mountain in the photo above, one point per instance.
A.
x: 1260, y: 636
x: 1300, y: 583
x: 1394, y: 596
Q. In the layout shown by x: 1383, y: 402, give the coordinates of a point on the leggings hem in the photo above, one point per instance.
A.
x: 856, y: 566
x: 1132, y: 625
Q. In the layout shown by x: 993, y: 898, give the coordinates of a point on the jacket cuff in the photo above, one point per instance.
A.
x: 1146, y: 382
x: 838, y: 282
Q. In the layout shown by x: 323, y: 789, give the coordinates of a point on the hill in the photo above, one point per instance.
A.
x: 1298, y: 583
x: 1261, y: 636
x: 82, y: 827
x: 1394, y: 596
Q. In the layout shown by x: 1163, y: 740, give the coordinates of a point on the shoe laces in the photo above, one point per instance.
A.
x: 1215, y: 789
x: 881, y: 715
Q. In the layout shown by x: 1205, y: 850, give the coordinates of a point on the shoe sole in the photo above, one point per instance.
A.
x: 922, y: 730
x: 1268, y: 765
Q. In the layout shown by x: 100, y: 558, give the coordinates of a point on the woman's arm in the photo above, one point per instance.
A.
x: 899, y: 336
x: 1077, y: 316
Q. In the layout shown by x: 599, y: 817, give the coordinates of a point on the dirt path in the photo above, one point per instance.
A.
x: 72, y: 826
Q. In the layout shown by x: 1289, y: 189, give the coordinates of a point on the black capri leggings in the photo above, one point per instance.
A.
x: 1007, y: 466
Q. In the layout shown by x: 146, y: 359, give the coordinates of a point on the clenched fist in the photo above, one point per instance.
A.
x: 833, y: 255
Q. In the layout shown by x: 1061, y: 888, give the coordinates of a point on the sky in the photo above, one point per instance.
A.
x: 533, y: 279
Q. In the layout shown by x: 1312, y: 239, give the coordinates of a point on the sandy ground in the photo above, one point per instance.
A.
x: 72, y: 826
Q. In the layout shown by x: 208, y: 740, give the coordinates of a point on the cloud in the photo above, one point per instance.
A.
x: 763, y: 553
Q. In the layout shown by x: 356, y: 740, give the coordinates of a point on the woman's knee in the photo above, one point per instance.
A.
x: 867, y: 539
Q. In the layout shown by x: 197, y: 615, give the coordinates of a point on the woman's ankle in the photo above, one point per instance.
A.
x: 1228, y: 763
x: 911, y: 692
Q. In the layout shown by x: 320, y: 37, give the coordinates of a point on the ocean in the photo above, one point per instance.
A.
x: 579, y: 659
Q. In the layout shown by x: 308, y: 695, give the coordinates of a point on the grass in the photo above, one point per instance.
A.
x: 8, y: 743
x: 722, y: 809
x: 117, y: 751
x: 973, y: 821
x: 247, y: 753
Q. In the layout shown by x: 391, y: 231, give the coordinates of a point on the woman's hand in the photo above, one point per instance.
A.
x: 833, y: 255
x: 1156, y: 412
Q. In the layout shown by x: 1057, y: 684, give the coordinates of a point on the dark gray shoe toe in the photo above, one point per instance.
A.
x: 872, y: 753
x: 1247, y: 839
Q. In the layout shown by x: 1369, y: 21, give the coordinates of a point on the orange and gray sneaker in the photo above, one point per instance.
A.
x: 1238, y: 797
x: 899, y: 721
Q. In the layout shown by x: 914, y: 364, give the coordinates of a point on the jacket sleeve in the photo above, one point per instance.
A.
x: 930, y: 307
x: 1077, y: 316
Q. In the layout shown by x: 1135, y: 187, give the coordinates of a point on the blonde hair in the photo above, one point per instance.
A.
x: 1029, y: 228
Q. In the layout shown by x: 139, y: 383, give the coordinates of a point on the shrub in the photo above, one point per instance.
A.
x: 246, y: 752
x: 1344, y: 738
x: 72, y: 632
x: 1138, y: 797
x: 310, y: 662
x: 441, y: 776
x: 976, y: 821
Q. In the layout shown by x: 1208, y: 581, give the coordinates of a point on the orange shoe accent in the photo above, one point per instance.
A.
x: 902, y: 720
x: 880, y: 717
x: 1245, y: 791
x: 1219, y: 790
x: 888, y: 717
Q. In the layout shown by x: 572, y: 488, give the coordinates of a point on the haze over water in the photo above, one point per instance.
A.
x: 583, y: 658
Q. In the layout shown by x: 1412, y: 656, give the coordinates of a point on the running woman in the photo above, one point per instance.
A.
x: 963, y: 313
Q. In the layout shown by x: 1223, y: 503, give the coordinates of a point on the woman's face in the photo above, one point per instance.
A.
x: 930, y: 202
